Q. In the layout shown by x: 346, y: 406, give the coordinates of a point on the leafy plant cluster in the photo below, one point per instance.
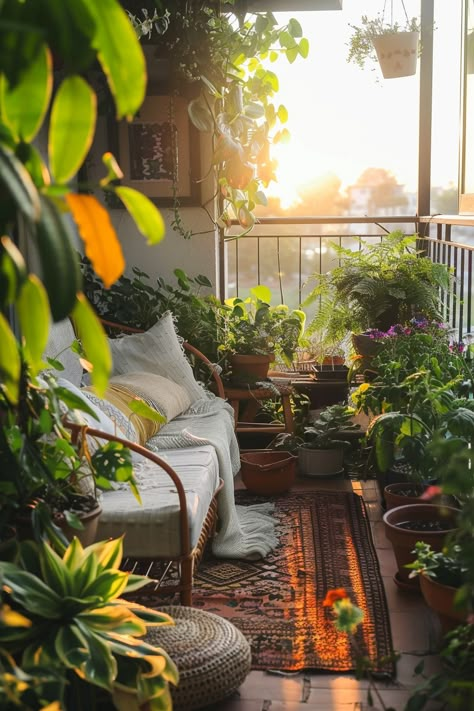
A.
x: 252, y: 326
x: 137, y: 302
x: 231, y: 55
x: 67, y: 638
x: 324, y: 432
x: 375, y: 286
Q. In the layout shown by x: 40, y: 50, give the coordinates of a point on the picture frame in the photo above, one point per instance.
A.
x: 158, y: 151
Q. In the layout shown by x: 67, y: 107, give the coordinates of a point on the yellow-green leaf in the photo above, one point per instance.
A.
x: 71, y: 128
x: 94, y: 341
x: 146, y: 216
x: 25, y: 106
x: 100, y: 239
x: 140, y: 407
x: 114, y: 172
x: 120, y: 54
x: 33, y: 312
x: 303, y: 47
x: 9, y: 361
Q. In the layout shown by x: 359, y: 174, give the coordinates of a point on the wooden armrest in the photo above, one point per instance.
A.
x: 187, y: 346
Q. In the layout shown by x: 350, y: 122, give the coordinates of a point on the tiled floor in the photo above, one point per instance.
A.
x: 415, y: 635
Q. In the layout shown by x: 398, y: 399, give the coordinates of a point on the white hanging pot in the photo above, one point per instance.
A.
x: 397, y: 53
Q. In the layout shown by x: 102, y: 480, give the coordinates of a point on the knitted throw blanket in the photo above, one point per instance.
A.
x: 244, y: 531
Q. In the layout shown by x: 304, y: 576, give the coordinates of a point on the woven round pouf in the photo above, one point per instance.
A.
x: 212, y: 656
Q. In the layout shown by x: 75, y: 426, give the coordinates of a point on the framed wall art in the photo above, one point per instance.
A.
x: 158, y: 151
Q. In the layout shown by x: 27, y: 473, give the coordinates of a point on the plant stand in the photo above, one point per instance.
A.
x: 245, y: 403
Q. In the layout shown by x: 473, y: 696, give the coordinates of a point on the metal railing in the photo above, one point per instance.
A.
x: 284, y: 253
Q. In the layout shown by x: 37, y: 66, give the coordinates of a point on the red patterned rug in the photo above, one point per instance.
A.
x: 324, y: 542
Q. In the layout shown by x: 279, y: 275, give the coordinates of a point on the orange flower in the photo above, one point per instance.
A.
x: 333, y: 595
x: 431, y: 492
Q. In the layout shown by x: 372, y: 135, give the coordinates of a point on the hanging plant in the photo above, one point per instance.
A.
x: 395, y: 46
x: 230, y: 56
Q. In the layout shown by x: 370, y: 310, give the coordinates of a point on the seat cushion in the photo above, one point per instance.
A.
x: 152, y: 529
x: 157, y: 351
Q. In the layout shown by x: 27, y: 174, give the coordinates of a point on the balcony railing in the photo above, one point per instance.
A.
x: 284, y: 253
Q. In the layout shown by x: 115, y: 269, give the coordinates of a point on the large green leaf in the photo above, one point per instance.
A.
x: 24, y: 107
x: 108, y: 585
x: 71, y: 129
x: 120, y: 54
x: 146, y: 216
x: 101, y: 666
x: 70, y: 646
x: 33, y: 312
x: 17, y: 182
x: 262, y: 293
x: 31, y: 592
x: 10, y: 365
x: 94, y: 341
x: 55, y: 572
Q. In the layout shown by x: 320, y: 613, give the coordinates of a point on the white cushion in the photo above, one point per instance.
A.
x: 164, y: 395
x: 61, y: 336
x: 152, y: 529
x: 157, y: 351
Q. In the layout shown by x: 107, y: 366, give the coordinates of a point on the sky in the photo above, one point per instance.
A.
x: 342, y: 120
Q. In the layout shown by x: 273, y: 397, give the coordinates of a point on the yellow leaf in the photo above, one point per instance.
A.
x: 100, y: 239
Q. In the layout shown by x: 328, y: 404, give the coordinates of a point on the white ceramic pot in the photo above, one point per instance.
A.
x: 320, y: 462
x: 397, y: 53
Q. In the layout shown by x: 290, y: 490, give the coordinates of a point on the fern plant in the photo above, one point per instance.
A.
x: 378, y: 285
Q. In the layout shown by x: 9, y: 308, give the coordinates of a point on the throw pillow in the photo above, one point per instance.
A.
x: 165, y: 396
x: 157, y: 351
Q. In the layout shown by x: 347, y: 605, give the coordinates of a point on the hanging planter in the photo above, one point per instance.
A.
x: 396, y: 46
x: 397, y: 53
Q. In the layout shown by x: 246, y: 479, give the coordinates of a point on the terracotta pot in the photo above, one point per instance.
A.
x: 394, y: 495
x: 90, y: 521
x: 440, y: 598
x: 254, y: 366
x: 320, y: 462
x: 268, y: 472
x: 397, y: 53
x: 403, y: 540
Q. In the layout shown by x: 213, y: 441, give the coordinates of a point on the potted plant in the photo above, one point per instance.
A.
x: 381, y: 284
x: 253, y: 333
x: 394, y: 45
x: 442, y: 576
x: 67, y: 636
x: 324, y: 441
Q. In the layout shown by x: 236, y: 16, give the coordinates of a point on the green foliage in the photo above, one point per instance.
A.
x: 361, y: 48
x: 230, y: 56
x: 376, y: 286
x: 444, y: 566
x: 72, y: 636
x: 139, y: 303
x: 453, y: 687
x: 38, y: 193
x: 327, y: 431
x: 252, y: 326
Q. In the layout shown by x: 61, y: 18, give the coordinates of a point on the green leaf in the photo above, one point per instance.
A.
x: 24, y: 107
x: 70, y: 646
x: 146, y: 216
x: 94, y: 341
x: 292, y: 53
x: 12, y: 270
x: 10, y: 365
x: 72, y: 127
x: 33, y: 312
x: 31, y: 592
x: 33, y: 162
x: 107, y: 585
x: 294, y: 28
x: 101, y: 667
x: 287, y: 41
x: 120, y: 55
x: 261, y: 292
x: 254, y: 110
x: 140, y: 407
x: 19, y: 184
x: 55, y: 572
x: 282, y: 113
x: 200, y: 115
x: 303, y: 48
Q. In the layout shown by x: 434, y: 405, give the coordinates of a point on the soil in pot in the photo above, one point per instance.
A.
x: 405, y: 525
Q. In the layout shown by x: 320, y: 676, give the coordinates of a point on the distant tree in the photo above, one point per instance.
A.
x: 385, y: 190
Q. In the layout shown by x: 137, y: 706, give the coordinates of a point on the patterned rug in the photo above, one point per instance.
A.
x: 325, y: 542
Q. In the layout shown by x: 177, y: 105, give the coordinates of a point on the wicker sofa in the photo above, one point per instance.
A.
x: 166, y: 533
